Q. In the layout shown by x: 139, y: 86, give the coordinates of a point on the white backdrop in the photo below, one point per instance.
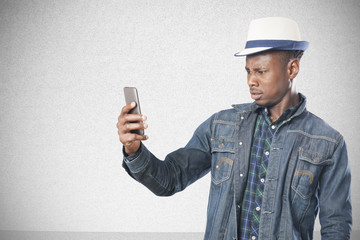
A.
x: 63, y: 65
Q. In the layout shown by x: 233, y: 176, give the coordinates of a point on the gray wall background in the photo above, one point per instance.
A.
x: 63, y: 65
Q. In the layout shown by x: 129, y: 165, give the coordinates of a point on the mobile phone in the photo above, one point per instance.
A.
x: 131, y: 95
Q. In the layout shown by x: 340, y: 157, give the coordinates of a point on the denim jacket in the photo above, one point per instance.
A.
x: 308, y: 172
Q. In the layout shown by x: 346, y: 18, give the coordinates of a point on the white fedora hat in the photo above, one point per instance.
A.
x: 273, y: 33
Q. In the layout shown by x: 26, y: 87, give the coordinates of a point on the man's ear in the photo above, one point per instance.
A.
x: 293, y: 68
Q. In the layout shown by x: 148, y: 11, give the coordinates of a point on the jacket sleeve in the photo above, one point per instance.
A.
x: 334, y: 197
x: 179, y: 169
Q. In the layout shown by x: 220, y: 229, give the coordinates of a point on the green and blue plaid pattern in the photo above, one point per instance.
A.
x: 260, y: 153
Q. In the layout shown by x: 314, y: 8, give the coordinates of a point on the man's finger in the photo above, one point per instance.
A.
x: 134, y: 126
x: 123, y: 119
x: 134, y: 118
x: 127, y: 127
x: 130, y: 138
x: 127, y: 108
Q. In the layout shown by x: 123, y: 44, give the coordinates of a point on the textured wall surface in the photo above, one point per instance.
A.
x: 25, y: 235
x: 63, y: 65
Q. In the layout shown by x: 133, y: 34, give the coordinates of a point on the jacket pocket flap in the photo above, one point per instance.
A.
x: 314, y: 158
x: 221, y: 145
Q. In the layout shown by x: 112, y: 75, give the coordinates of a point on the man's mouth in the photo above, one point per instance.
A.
x: 255, y: 95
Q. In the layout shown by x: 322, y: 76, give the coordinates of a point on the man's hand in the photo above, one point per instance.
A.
x: 125, y: 124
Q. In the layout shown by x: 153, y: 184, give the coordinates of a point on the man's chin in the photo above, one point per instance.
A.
x: 263, y: 103
x: 260, y: 103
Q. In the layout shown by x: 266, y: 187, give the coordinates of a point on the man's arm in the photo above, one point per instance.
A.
x: 334, y: 197
x: 179, y: 169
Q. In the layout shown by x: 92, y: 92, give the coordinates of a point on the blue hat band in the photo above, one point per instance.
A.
x: 278, y: 44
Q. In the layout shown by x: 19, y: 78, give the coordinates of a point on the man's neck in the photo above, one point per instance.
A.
x: 276, y: 111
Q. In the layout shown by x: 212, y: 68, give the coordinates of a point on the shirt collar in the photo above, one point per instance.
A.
x: 286, y: 114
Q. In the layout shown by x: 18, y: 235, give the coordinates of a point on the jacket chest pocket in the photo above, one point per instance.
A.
x: 223, y: 152
x: 307, y: 172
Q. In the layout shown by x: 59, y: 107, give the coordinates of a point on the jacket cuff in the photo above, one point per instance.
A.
x: 139, y: 161
x: 128, y: 158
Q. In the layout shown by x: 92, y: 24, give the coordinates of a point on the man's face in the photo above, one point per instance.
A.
x: 268, y: 78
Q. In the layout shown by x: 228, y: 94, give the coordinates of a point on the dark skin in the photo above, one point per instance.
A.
x: 271, y: 81
x: 270, y: 77
x: 125, y: 124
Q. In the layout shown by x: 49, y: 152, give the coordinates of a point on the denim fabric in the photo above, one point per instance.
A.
x: 308, y: 171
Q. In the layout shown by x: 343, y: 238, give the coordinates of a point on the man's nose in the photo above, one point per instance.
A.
x: 252, y: 81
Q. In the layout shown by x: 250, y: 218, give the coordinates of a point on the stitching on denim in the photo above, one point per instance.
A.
x: 222, y: 140
x: 314, y: 136
x: 303, y: 196
x: 216, y: 209
x: 165, y: 188
x: 312, y: 153
x: 159, y: 183
x: 303, y: 216
x: 225, y: 122
x: 225, y: 178
x: 227, y: 211
x: 137, y: 170
x: 324, y: 159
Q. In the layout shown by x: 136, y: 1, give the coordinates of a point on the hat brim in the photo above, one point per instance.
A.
x: 249, y: 51
x: 256, y: 46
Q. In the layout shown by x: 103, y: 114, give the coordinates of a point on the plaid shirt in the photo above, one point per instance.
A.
x: 260, y: 154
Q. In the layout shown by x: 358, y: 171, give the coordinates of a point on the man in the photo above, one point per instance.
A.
x: 273, y: 164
